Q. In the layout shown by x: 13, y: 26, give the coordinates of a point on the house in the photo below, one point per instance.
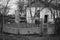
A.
x: 45, y: 13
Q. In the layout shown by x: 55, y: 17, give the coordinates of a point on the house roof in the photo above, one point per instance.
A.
x: 53, y: 4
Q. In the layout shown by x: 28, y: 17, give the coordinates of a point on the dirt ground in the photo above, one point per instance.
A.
x: 5, y: 36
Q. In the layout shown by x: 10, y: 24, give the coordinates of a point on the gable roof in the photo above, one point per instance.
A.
x: 41, y: 3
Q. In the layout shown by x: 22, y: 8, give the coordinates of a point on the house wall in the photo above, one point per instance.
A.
x: 44, y: 12
x: 28, y: 16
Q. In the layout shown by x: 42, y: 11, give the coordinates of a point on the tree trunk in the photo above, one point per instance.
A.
x: 54, y: 15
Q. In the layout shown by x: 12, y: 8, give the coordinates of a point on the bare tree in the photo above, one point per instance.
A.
x: 3, y: 12
x: 20, y: 6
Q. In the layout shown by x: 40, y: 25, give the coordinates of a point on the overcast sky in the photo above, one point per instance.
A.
x: 12, y: 4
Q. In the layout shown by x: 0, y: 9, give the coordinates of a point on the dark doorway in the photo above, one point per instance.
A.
x: 45, y: 18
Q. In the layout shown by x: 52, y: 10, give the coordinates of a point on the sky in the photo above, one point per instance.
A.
x: 11, y: 4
